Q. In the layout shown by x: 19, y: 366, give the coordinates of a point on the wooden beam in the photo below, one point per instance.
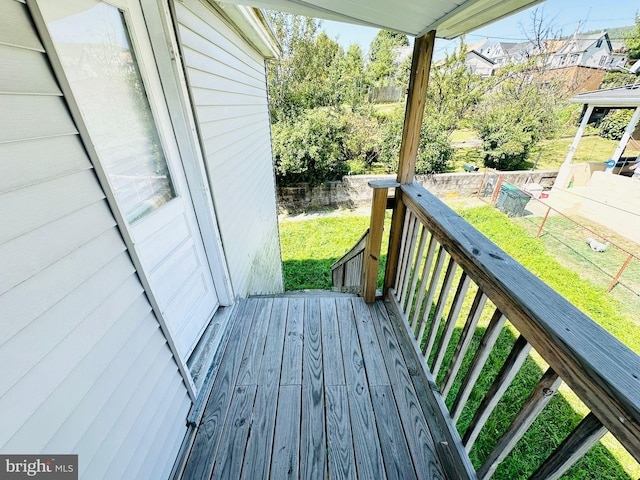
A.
x: 418, y: 81
x: 374, y: 242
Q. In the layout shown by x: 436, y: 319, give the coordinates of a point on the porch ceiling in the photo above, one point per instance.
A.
x: 450, y: 18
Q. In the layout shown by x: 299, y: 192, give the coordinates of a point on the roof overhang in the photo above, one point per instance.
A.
x: 621, y: 97
x: 450, y: 18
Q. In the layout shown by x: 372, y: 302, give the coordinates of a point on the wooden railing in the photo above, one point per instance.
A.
x: 440, y: 266
x: 346, y: 273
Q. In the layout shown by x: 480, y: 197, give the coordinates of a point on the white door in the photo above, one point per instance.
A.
x: 106, y: 56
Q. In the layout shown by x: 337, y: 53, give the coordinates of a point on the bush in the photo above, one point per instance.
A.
x: 434, y: 151
x: 614, y: 124
x: 322, y: 145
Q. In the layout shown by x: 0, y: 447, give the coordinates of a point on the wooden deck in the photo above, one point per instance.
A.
x: 304, y: 390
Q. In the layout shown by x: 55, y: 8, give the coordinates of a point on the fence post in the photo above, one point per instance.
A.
x: 371, y: 261
x: 496, y: 191
x: 619, y: 274
x: 543, y: 222
x: 484, y: 178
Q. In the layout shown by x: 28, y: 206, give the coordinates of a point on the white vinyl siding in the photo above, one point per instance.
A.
x: 228, y: 87
x: 86, y: 368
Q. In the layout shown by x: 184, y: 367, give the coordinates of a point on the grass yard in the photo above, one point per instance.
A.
x: 309, y: 247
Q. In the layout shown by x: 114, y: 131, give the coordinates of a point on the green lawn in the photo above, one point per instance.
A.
x: 310, y: 247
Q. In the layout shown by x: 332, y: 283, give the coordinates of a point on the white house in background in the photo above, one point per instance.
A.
x: 137, y: 198
x: 591, y: 50
x: 504, y: 53
x: 479, y: 64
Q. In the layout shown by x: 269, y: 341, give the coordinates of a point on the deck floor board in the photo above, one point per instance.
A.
x: 313, y: 388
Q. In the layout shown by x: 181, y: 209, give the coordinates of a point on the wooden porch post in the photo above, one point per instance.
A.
x: 418, y: 81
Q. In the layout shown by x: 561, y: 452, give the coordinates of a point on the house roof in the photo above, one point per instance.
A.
x: 481, y: 57
x: 582, y: 42
x: 450, y: 18
x: 628, y: 96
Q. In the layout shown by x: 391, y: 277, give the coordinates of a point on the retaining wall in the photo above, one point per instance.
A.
x: 352, y: 191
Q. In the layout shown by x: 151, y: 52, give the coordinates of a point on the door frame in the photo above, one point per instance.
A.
x: 225, y: 293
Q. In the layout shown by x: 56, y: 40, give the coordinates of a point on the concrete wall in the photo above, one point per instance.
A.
x: 353, y: 191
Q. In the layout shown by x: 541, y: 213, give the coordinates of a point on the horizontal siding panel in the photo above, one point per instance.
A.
x: 47, y: 331
x: 37, y: 431
x: 214, y: 82
x: 202, y: 20
x: 30, y: 253
x: 241, y: 154
x: 225, y: 127
x: 30, y: 299
x: 125, y: 361
x: 33, y: 116
x: 139, y: 381
x: 28, y: 208
x: 28, y: 394
x: 152, y: 392
x: 25, y: 71
x: 34, y: 161
x: 212, y: 97
x: 16, y: 28
x: 220, y: 113
x: 146, y: 427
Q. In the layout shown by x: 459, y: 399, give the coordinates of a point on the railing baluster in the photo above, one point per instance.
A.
x: 415, y: 227
x: 410, y: 293
x: 423, y: 282
x: 442, y: 300
x: 469, y: 329
x: 486, y: 345
x: 454, y: 313
x: 511, y: 366
x: 433, y: 284
x: 586, y: 435
x: 542, y: 393
x: 403, y: 247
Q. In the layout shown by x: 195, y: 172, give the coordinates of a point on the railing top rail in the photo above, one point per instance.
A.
x: 353, y: 252
x: 600, y: 369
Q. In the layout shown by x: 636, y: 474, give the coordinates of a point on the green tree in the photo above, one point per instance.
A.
x: 383, y: 68
x: 352, y: 82
x: 632, y: 41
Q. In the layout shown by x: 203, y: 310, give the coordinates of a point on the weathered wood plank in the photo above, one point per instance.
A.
x: 373, y: 361
x: 367, y: 447
x: 414, y: 423
x: 448, y: 444
x: 416, y: 272
x: 395, y: 241
x: 285, y: 462
x: 408, y: 262
x: 586, y: 435
x: 466, y: 336
x: 542, y: 393
x: 484, y: 350
x: 292, y: 356
x: 207, y: 439
x: 371, y: 259
x: 313, y: 441
x: 397, y: 461
x: 454, y: 313
x: 234, y: 438
x: 332, y: 363
x: 507, y: 373
x: 406, y: 228
x: 341, y: 460
x: 252, y: 357
x: 257, y: 458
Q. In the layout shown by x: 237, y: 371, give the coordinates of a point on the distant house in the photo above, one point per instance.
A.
x: 504, y: 53
x: 591, y: 50
x: 479, y: 64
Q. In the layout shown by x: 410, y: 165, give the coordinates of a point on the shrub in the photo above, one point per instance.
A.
x: 434, y: 151
x: 614, y: 124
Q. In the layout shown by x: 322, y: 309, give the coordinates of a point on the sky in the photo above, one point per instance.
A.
x: 564, y: 15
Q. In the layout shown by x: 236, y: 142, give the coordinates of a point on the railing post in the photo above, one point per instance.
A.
x: 371, y: 262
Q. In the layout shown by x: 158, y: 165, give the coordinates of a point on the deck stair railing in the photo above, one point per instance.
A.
x: 439, y: 266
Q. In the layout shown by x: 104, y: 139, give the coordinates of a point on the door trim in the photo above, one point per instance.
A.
x: 102, y: 176
x: 164, y: 43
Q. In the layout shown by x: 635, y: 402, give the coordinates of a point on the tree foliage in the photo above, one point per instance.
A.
x: 615, y: 123
x: 632, y: 41
x: 383, y: 68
